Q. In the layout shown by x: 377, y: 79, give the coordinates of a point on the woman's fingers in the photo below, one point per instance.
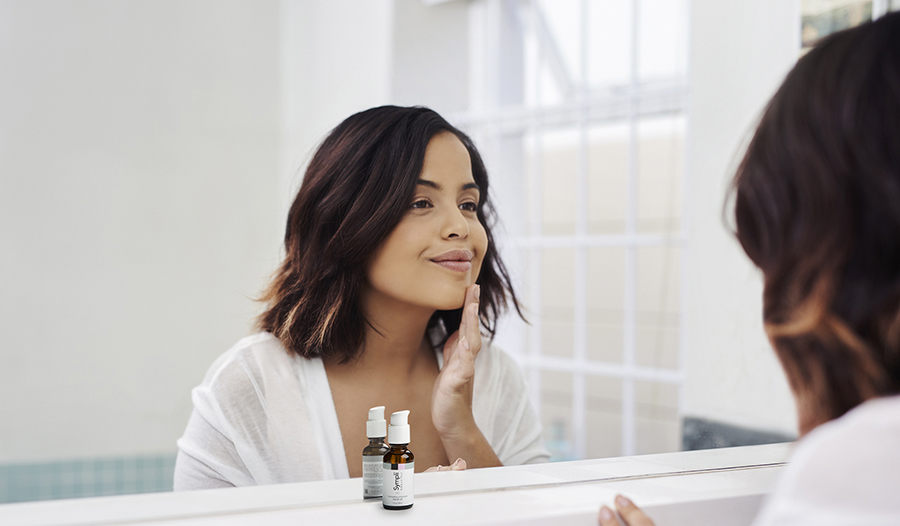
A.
x: 450, y: 346
x: 607, y: 517
x: 466, y: 325
x: 463, y: 346
x: 472, y: 294
x: 471, y: 297
x: 473, y: 325
x: 470, y: 344
x: 470, y: 329
x: 631, y: 514
x: 460, y: 365
x: 451, y: 398
x: 459, y: 465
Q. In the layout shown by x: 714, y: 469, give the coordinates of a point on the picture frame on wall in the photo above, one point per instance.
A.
x: 820, y: 18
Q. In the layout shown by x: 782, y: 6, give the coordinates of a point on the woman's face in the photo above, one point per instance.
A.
x: 436, y: 250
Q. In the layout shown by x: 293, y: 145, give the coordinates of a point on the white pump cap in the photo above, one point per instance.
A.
x: 398, y: 433
x: 376, y: 426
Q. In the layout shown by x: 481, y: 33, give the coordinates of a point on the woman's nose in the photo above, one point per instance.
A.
x: 455, y: 224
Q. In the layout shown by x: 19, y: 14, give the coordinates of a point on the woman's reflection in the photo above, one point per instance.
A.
x: 389, y: 275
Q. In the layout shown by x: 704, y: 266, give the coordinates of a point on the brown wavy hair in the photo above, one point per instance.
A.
x: 817, y: 209
x: 358, y: 186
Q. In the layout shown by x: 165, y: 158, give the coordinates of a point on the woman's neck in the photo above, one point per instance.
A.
x: 395, y: 336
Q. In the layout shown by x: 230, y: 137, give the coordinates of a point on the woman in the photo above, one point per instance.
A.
x: 817, y: 209
x: 388, y: 258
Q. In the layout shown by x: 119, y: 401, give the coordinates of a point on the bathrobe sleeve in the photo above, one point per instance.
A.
x: 251, y: 422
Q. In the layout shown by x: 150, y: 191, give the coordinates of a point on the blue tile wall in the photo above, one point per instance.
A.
x: 86, y: 478
x: 701, y: 433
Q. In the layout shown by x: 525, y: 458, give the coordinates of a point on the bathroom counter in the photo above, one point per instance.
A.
x: 722, y: 487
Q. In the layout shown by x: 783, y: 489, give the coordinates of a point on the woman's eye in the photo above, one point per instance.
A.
x: 469, y: 206
x: 421, y: 203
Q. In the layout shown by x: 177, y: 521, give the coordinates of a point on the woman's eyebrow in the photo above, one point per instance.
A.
x: 430, y: 184
x: 436, y: 186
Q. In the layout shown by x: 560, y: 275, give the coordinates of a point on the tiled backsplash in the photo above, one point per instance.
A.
x: 86, y: 478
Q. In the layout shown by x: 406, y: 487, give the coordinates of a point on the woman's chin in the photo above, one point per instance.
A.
x: 450, y: 305
x: 451, y: 301
x: 449, y: 298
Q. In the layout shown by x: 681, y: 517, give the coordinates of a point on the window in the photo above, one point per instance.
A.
x: 580, y: 108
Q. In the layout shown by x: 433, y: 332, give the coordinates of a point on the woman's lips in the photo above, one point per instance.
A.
x: 455, y: 265
x: 455, y: 260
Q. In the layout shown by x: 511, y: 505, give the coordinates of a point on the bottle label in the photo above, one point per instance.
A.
x: 399, y: 484
x: 372, y: 476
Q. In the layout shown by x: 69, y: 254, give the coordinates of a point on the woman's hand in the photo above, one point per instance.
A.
x: 631, y: 514
x: 451, y: 398
x: 459, y: 465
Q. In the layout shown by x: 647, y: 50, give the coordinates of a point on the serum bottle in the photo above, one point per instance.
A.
x: 373, y: 454
x: 399, y: 472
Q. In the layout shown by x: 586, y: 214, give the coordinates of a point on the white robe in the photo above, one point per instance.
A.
x: 264, y: 416
x: 843, y: 473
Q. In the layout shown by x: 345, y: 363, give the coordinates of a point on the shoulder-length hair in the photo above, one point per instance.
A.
x: 817, y: 209
x: 358, y: 186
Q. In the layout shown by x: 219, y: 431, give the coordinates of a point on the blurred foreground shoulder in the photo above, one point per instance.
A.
x: 844, y: 472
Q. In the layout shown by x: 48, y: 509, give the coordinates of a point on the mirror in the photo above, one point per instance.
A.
x: 150, y: 152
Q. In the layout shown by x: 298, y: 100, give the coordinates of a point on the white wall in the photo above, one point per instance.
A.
x: 430, y: 50
x: 335, y: 61
x: 740, y: 52
x: 139, y: 146
x: 339, y: 57
x: 148, y: 153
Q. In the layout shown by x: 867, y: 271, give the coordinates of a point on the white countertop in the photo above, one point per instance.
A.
x: 721, y: 487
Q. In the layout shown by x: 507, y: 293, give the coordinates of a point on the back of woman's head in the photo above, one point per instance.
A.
x: 817, y: 209
x: 357, y: 187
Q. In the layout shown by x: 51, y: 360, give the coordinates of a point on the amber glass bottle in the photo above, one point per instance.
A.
x: 398, y: 490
